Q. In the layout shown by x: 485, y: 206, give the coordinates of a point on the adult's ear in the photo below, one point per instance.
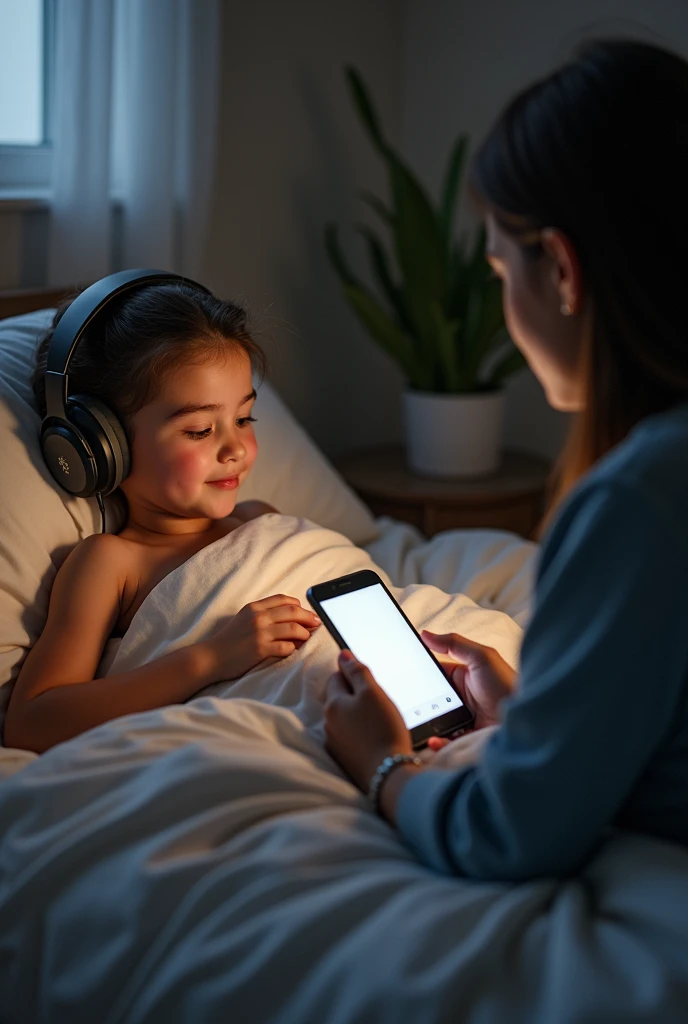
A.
x: 567, y: 276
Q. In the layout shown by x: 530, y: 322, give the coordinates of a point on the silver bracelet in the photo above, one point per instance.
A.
x: 383, y: 770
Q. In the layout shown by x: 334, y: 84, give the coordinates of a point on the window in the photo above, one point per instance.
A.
x: 25, y: 70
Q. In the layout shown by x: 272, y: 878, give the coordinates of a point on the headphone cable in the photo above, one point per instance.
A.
x: 101, y: 506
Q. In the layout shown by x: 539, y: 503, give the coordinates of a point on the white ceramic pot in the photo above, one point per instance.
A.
x: 453, y: 435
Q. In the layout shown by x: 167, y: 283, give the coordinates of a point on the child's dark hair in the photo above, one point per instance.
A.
x: 599, y: 149
x: 128, y: 352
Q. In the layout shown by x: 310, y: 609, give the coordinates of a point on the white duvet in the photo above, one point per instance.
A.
x: 278, y: 554
x: 209, y: 862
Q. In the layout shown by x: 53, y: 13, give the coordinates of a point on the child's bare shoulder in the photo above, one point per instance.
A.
x: 99, y: 554
x: 93, y: 576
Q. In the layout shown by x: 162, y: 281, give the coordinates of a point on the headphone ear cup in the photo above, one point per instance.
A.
x: 120, y: 437
x: 68, y: 458
x: 106, y: 438
x: 112, y: 426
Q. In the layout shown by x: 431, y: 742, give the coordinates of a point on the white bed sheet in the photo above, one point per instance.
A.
x: 209, y: 861
x: 492, y: 567
x: 495, y: 568
x: 205, y: 863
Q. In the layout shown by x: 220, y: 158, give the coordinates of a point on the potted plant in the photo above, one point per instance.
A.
x: 440, y: 316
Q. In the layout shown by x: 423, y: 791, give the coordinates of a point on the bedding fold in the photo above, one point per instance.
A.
x: 278, y: 554
x: 210, y: 861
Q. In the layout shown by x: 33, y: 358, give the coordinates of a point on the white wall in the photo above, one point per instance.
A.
x: 463, y: 60
x: 291, y: 157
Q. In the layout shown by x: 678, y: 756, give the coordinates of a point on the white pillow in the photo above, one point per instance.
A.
x: 292, y: 474
x: 40, y: 523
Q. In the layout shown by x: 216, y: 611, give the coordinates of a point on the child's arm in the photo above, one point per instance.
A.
x: 56, y: 696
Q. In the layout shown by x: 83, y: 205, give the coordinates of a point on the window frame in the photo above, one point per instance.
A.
x: 26, y: 171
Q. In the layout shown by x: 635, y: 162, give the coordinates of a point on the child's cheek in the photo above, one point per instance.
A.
x: 186, y: 468
x: 251, y: 450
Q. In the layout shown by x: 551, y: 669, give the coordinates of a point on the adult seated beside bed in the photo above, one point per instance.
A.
x: 589, y: 241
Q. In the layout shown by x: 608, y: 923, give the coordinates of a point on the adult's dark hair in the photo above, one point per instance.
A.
x: 599, y: 149
x: 131, y: 349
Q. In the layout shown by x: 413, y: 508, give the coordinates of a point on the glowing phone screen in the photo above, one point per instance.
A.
x: 370, y: 624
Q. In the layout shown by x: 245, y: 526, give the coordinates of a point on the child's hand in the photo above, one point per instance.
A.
x: 272, y: 628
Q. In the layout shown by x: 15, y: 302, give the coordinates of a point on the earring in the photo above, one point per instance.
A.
x: 565, y: 309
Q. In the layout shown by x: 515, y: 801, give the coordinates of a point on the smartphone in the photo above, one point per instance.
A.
x: 361, y: 614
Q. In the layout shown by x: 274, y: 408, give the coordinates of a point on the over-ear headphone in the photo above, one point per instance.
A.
x: 83, y: 443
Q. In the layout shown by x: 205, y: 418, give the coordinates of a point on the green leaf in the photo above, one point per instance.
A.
x: 480, y: 269
x: 445, y: 313
x: 476, y: 300
x: 373, y: 317
x: 419, y: 245
x: 383, y: 329
x: 469, y: 270
x: 418, y: 239
x: 458, y: 281
x: 491, y: 320
x: 451, y: 187
x: 445, y: 335
x: 383, y: 212
x: 364, y: 107
x: 336, y: 255
x: 485, y: 324
x: 380, y: 265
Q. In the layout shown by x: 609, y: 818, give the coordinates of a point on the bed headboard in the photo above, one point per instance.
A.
x: 26, y: 300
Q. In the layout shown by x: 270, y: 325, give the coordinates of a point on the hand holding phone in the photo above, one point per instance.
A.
x: 480, y: 674
x: 361, y: 615
x: 362, y: 725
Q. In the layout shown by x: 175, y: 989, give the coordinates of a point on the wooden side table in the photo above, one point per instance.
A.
x: 512, y: 499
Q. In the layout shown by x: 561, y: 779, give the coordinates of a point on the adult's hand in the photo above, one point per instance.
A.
x: 482, y: 677
x: 362, y: 725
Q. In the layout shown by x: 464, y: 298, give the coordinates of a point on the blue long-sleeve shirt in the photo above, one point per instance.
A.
x: 597, y: 734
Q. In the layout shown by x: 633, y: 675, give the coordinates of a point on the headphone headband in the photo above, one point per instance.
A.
x: 83, y: 443
x: 77, y: 317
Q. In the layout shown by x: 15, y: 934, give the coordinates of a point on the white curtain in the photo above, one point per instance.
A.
x: 136, y: 119
x: 80, y: 229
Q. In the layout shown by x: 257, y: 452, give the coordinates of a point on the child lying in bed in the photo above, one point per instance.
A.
x: 175, y: 364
